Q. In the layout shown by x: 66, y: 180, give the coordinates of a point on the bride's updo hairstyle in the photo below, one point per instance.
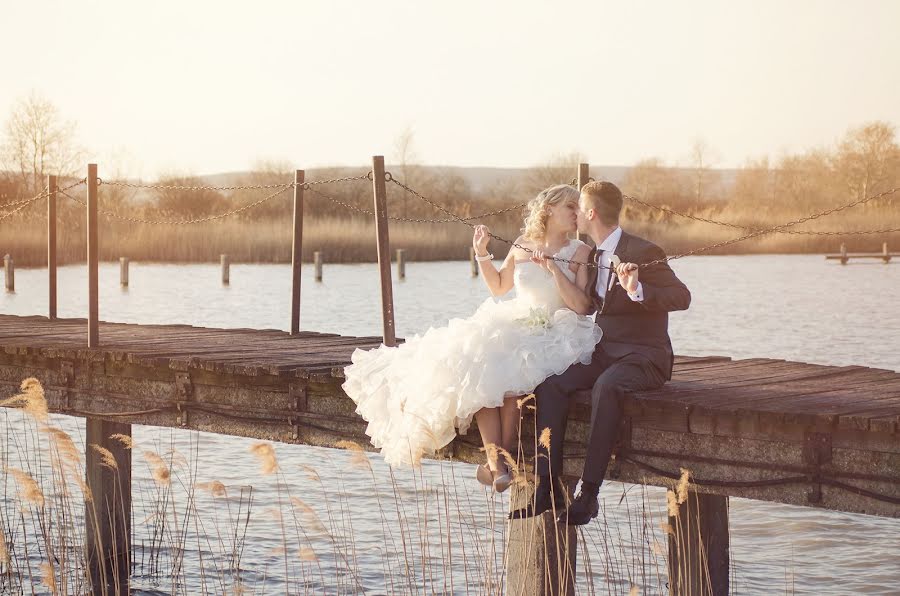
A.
x: 539, y: 209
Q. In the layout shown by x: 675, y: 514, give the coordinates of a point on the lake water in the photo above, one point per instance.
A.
x: 792, y: 307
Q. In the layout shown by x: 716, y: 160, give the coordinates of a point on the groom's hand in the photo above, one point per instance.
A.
x: 628, y: 276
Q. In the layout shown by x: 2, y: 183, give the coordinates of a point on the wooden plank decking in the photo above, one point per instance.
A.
x: 790, y: 432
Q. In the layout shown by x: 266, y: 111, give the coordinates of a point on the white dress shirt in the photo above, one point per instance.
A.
x: 608, y: 246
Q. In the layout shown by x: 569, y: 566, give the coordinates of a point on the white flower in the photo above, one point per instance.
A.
x: 538, y: 317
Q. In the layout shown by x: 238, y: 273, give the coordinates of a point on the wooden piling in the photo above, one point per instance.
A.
x: 123, y: 272
x: 844, y: 257
x: 296, y: 250
x: 583, y: 178
x: 472, y: 262
x: 317, y: 263
x: 225, y: 260
x: 886, y: 256
x: 51, y: 246
x: 383, y: 248
x: 108, y: 513
x: 10, y: 273
x: 93, y: 259
x: 541, y: 553
x: 698, y: 545
x: 401, y: 263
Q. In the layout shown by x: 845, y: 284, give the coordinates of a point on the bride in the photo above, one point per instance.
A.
x: 415, y: 396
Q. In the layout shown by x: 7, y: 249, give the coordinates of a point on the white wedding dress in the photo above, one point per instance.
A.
x: 416, y: 395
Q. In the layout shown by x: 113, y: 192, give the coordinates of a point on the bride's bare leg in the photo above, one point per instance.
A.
x: 509, y: 424
x: 489, y: 426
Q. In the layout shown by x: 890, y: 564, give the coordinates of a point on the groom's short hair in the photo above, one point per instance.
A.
x: 605, y: 198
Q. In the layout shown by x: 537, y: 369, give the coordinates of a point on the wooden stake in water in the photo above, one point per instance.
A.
x: 93, y: 259
x: 51, y: 246
x: 886, y: 255
x: 383, y: 246
x: 844, y: 257
x: 698, y: 546
x: 10, y: 272
x: 226, y: 269
x: 317, y: 263
x: 123, y: 271
x: 472, y: 262
x: 401, y: 263
x: 296, y: 251
x: 108, y: 514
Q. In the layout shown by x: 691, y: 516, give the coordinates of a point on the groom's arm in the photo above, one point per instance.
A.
x: 661, y: 288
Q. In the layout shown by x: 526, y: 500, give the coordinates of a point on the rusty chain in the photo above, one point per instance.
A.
x: 389, y: 178
x: 114, y: 215
x: 44, y: 194
x: 749, y: 229
x: 100, y: 182
x: 774, y: 229
x: 369, y: 213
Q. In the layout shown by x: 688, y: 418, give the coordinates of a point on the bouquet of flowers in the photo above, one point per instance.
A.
x: 538, y: 318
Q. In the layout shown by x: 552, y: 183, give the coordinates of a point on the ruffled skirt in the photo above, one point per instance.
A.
x: 416, y: 395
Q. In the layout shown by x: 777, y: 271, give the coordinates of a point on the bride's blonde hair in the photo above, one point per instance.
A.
x: 539, y: 209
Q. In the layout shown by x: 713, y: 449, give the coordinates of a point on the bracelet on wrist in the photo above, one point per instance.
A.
x: 487, y: 257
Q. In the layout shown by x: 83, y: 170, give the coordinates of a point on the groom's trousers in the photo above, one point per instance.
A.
x: 608, y: 379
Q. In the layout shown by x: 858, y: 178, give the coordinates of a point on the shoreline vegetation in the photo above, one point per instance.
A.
x: 760, y: 195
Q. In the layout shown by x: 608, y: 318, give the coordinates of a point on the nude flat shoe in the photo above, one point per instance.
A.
x: 502, y: 482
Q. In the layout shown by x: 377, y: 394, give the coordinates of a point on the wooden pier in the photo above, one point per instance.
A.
x: 844, y: 257
x: 786, y: 432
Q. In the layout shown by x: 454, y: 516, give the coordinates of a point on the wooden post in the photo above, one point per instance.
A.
x: 383, y: 247
x: 296, y: 251
x: 51, y: 246
x: 472, y: 262
x: 123, y: 271
x: 317, y: 263
x: 108, y: 514
x: 226, y: 269
x: 583, y: 177
x: 10, y: 273
x: 698, y: 546
x: 401, y: 263
x: 886, y: 256
x: 541, y: 553
x: 93, y: 259
x: 844, y: 257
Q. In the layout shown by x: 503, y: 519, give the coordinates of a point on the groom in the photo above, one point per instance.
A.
x: 632, y: 305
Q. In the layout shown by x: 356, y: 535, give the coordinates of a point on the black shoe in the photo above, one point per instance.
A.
x: 582, y: 510
x: 541, y: 504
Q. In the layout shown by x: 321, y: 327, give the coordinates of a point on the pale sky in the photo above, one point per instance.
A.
x: 204, y: 87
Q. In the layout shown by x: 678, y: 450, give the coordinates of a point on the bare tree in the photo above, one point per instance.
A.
x: 405, y: 157
x: 647, y: 179
x: 704, y: 178
x: 868, y: 159
x: 38, y: 143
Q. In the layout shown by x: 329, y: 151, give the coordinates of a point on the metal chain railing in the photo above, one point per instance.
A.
x: 749, y: 229
x: 141, y: 220
x: 100, y: 182
x: 44, y: 194
x: 369, y: 213
x: 774, y: 229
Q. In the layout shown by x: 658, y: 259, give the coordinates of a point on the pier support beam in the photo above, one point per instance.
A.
x: 108, y: 513
x: 698, y: 546
x: 541, y: 554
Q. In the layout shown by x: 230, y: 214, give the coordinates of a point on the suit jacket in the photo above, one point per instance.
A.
x: 631, y: 327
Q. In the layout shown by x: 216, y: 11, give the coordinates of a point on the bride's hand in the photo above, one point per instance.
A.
x: 480, y: 239
x: 539, y: 258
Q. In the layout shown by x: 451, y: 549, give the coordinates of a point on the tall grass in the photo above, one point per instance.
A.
x: 291, y: 527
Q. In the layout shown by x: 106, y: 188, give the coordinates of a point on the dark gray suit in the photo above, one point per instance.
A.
x: 634, y: 354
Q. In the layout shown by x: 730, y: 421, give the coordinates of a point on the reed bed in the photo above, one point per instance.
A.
x: 349, y: 525
x: 343, y: 237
